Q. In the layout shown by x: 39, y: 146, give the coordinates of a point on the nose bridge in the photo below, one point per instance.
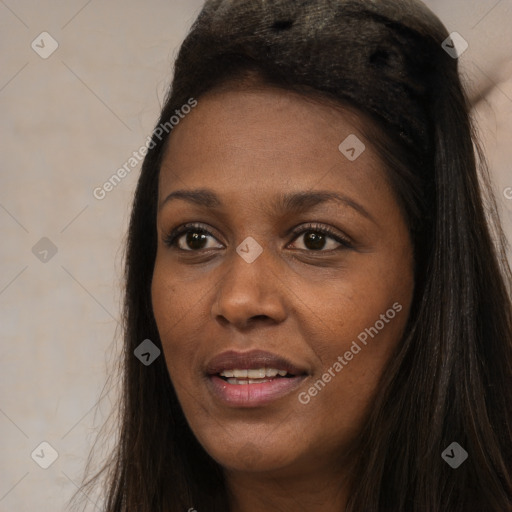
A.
x: 249, y: 286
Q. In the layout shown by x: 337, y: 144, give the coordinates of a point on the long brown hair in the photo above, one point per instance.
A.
x: 451, y: 376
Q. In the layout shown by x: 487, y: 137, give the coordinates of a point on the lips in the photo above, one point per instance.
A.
x: 252, y: 360
x: 252, y: 379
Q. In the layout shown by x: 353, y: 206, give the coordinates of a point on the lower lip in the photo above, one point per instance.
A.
x: 252, y: 395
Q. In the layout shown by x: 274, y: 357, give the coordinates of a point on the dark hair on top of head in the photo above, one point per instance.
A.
x: 450, y: 378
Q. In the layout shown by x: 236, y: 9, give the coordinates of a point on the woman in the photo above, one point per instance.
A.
x: 309, y: 250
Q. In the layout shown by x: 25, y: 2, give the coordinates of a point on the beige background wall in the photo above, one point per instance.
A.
x: 68, y: 122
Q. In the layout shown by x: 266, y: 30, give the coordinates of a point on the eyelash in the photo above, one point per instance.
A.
x: 171, y: 239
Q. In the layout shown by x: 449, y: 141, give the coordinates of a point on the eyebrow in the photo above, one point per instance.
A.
x: 295, y: 202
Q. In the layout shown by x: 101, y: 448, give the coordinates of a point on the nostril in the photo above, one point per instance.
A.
x: 282, y: 25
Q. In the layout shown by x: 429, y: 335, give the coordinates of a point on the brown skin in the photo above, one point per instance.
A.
x: 296, y: 300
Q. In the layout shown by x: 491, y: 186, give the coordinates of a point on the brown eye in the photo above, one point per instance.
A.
x: 316, y: 237
x: 195, y: 237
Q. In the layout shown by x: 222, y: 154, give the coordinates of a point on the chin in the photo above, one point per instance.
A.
x: 250, y: 457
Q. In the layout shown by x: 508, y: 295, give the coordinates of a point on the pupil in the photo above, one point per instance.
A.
x: 315, y: 240
x: 193, y: 238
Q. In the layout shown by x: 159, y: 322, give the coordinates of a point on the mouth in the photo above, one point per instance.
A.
x: 252, y: 379
x: 253, y: 376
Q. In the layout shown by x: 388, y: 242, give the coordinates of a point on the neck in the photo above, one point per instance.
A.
x: 310, y: 488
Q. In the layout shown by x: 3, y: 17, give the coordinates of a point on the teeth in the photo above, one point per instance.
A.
x: 247, y: 381
x: 236, y: 381
x: 256, y: 374
x: 259, y: 373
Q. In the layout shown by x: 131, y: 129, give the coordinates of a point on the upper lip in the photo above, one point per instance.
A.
x: 253, y: 359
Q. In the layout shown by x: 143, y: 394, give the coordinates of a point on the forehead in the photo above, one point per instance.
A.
x: 260, y: 141
x: 266, y: 119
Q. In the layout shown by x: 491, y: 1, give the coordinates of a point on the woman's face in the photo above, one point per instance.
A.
x: 261, y: 172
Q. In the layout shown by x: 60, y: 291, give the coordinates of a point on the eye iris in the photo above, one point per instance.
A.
x: 314, y: 240
x: 194, y: 237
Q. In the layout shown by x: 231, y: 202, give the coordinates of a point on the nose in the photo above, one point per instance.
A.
x: 249, y: 293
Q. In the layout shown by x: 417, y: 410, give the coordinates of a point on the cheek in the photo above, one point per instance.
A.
x: 357, y: 345
x: 353, y: 360
x: 174, y: 307
x: 339, y: 309
x: 360, y: 319
x: 174, y: 299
